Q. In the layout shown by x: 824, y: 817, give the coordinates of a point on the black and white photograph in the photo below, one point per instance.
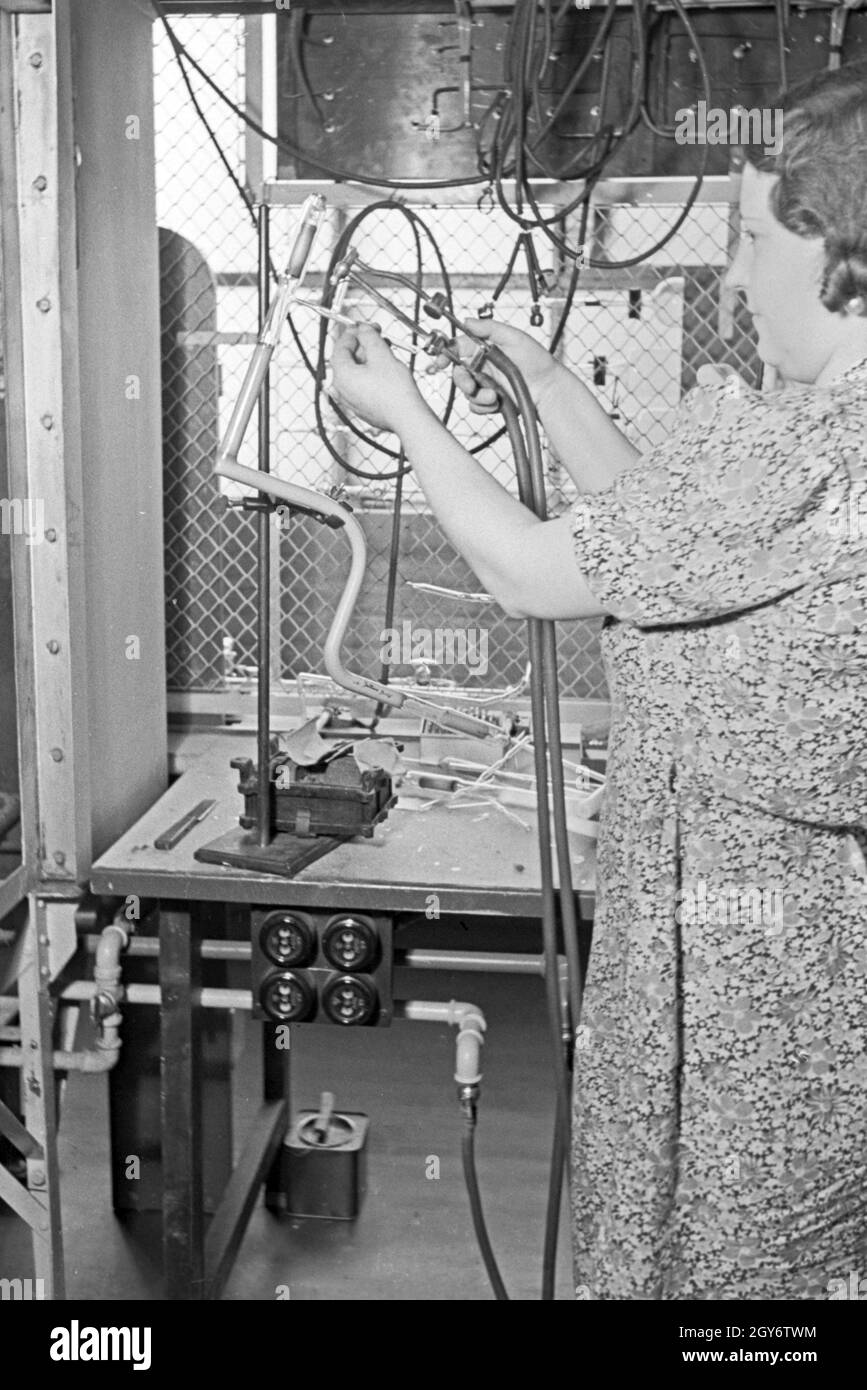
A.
x: 433, y: 670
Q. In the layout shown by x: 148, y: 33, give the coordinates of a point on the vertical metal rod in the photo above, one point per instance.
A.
x: 276, y: 1079
x: 180, y: 969
x: 263, y: 522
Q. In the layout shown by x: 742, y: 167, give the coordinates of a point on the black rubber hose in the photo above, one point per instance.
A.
x: 569, y: 916
x: 559, y: 1157
x: 559, y: 1034
x: 468, y: 1154
x: 537, y: 709
x: 391, y: 588
x: 531, y: 486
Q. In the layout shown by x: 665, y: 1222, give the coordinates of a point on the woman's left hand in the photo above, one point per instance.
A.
x: 370, y: 381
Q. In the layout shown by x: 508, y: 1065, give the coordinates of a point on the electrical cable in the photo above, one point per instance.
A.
x: 468, y: 1156
x: 556, y: 1173
x: 781, y: 9
x: 397, y: 505
x: 221, y: 154
x: 535, y: 473
x: 295, y: 151
x: 338, y: 254
x: 525, y: 192
x: 628, y: 262
x: 663, y: 131
x: 390, y: 588
x: 527, y: 455
x: 242, y: 192
x: 297, y: 22
x: 506, y: 123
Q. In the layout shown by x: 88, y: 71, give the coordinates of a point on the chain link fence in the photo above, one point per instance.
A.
x: 636, y: 336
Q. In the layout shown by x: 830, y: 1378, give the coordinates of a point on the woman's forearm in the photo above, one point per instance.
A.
x: 484, y: 523
x: 585, y: 439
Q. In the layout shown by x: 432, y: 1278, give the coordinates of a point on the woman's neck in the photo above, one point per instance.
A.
x: 848, y: 354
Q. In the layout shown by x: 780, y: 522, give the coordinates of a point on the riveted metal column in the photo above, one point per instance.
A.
x: 44, y: 510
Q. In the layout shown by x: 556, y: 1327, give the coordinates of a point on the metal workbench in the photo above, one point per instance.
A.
x: 475, y: 862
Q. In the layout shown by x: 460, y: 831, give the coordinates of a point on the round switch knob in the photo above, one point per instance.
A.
x: 287, y: 997
x: 349, y: 1000
x: 286, y: 939
x: 350, y: 943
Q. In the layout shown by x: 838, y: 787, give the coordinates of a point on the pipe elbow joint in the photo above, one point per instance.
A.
x: 471, y: 1027
x: 113, y: 939
x: 468, y: 1057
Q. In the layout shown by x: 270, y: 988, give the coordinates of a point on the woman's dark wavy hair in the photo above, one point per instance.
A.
x: 822, y: 164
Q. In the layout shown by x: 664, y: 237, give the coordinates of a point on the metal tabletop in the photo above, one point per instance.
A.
x: 474, y: 860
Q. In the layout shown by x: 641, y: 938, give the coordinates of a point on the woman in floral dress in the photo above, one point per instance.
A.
x: 720, y: 1133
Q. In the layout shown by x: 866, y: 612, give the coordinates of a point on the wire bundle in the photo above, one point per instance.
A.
x: 515, y: 118
x: 521, y: 128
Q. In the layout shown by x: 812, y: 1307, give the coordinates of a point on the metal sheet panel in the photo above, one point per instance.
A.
x: 118, y: 309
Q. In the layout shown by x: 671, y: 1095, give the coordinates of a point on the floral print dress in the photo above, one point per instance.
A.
x: 720, y: 1093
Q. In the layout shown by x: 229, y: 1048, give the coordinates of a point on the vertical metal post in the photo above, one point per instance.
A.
x: 39, y: 1097
x: 263, y: 521
x: 181, y: 1103
x: 253, y: 142
x: 40, y: 337
x: 275, y: 1086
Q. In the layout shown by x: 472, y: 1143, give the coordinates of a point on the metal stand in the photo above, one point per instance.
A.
x: 260, y: 849
x: 263, y: 732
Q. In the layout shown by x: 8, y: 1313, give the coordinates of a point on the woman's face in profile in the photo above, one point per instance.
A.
x: 780, y: 274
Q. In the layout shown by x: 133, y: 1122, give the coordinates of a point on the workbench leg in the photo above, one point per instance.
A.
x: 36, y: 1013
x: 180, y: 1105
x: 275, y: 1086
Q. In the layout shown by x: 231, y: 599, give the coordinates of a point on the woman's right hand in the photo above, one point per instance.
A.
x: 535, y: 364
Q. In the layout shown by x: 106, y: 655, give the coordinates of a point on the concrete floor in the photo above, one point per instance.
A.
x: 413, y: 1239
